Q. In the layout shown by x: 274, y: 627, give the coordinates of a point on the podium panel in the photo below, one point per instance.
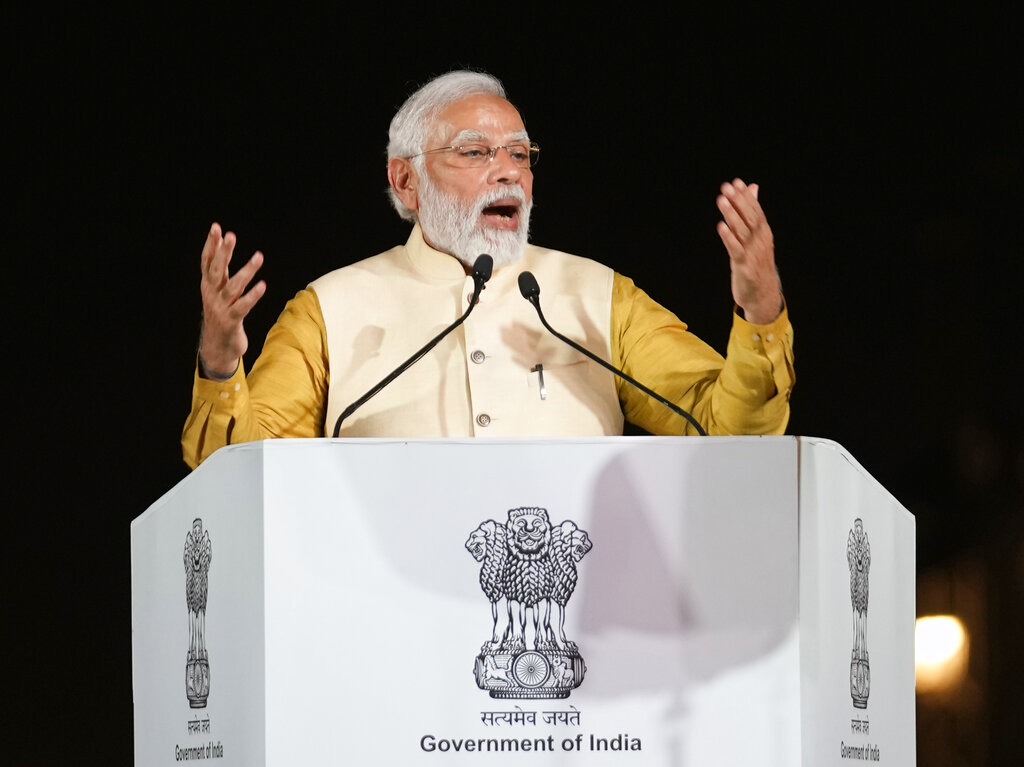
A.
x: 647, y: 601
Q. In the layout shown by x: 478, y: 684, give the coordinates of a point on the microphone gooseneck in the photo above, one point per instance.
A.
x: 481, y: 273
x: 531, y: 292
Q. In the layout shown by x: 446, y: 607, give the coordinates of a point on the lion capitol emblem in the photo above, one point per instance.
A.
x: 858, y: 557
x: 197, y: 558
x: 529, y: 564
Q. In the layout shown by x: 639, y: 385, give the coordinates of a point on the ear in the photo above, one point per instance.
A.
x: 405, y: 181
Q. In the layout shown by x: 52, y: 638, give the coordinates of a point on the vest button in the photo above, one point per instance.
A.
x: 483, y: 419
x: 478, y: 356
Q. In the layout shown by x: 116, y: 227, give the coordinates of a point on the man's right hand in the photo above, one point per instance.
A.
x: 225, y: 304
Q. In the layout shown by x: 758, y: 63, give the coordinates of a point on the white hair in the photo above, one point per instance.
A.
x: 413, y: 122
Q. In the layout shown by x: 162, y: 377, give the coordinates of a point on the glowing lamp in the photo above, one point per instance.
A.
x: 940, y: 654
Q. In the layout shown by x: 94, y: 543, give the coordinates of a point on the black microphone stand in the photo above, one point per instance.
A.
x: 531, y: 292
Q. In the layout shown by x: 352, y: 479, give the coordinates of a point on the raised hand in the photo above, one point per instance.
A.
x: 225, y: 303
x: 748, y: 239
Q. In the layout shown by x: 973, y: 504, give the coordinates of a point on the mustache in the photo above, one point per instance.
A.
x: 488, y: 199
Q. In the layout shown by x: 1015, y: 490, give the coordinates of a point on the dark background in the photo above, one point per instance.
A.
x: 889, y: 157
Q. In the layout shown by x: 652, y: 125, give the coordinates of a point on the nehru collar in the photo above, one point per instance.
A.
x: 432, y: 264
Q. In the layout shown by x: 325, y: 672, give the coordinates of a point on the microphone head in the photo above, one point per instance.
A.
x: 482, y: 268
x: 528, y: 286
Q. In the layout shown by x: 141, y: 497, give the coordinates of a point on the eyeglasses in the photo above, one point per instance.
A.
x: 478, y: 155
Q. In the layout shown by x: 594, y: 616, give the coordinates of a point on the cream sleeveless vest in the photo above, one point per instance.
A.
x: 500, y: 374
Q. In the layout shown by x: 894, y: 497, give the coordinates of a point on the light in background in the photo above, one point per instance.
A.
x: 941, y: 651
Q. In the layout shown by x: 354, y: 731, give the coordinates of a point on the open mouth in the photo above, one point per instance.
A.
x: 503, y: 211
x: 502, y: 214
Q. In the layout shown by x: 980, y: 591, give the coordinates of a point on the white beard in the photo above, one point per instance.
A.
x: 453, y: 227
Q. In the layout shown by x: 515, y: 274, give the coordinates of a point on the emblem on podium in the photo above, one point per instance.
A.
x: 528, y: 574
x: 858, y: 556
x: 198, y: 553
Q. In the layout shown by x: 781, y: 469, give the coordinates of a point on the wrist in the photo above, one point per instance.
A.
x: 205, y: 371
x: 759, y: 315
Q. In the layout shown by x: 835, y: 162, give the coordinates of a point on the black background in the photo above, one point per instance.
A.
x: 887, y: 151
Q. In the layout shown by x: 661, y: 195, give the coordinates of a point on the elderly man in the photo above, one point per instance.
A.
x: 460, y: 168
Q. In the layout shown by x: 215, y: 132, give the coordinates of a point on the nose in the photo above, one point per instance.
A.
x: 501, y: 169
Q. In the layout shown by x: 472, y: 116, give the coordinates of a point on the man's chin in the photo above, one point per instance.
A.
x: 504, y: 246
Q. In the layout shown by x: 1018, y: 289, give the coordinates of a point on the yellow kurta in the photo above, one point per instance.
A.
x: 481, y: 380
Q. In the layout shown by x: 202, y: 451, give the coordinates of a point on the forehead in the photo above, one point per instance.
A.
x: 490, y: 116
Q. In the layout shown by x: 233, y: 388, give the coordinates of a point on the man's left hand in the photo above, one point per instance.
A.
x: 748, y: 239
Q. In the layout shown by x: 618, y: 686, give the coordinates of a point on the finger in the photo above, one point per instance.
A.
x: 732, y: 218
x: 744, y: 200
x: 213, y: 238
x: 237, y: 284
x: 244, y: 305
x: 218, y: 272
x: 732, y: 245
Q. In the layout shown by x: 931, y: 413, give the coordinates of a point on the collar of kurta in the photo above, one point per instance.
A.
x: 432, y: 264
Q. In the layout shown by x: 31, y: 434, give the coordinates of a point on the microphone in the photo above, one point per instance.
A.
x: 481, y: 273
x: 531, y: 292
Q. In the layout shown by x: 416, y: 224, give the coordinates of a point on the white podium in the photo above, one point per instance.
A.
x: 638, y: 601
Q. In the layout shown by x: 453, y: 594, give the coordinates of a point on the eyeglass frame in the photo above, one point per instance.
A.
x: 532, y: 148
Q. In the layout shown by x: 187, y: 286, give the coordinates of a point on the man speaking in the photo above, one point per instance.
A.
x: 460, y: 170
